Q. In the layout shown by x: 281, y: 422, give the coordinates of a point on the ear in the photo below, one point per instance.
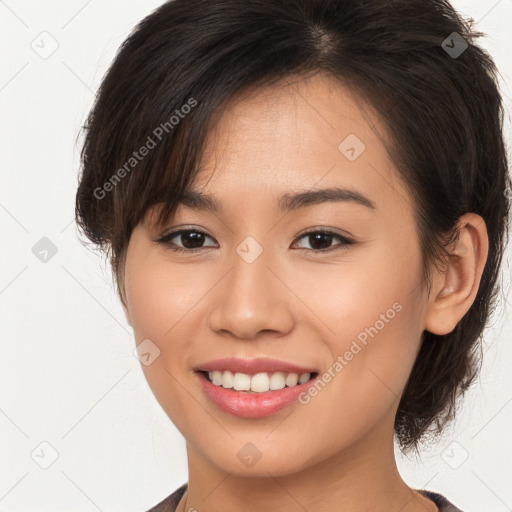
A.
x: 455, y: 287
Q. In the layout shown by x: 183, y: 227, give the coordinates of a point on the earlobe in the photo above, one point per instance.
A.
x: 455, y: 287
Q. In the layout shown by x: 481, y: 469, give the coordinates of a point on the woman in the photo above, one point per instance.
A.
x: 305, y: 234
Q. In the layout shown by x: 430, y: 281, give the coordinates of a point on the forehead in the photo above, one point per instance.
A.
x: 300, y: 134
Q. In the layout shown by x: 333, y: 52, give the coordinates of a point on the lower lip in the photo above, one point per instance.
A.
x: 252, y: 405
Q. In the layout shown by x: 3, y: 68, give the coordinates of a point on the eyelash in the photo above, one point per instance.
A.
x: 166, y: 240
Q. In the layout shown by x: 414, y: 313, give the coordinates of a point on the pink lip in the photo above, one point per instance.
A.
x: 252, y: 405
x: 247, y: 404
x: 252, y: 366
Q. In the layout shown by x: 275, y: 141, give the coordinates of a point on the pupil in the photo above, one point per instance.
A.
x: 318, y: 237
x: 194, y: 237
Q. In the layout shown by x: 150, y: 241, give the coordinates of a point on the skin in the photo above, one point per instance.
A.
x: 336, y: 452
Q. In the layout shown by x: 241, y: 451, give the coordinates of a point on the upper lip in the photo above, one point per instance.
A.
x: 252, y: 366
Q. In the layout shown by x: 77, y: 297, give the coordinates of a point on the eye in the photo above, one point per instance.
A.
x: 320, y: 240
x: 191, y: 239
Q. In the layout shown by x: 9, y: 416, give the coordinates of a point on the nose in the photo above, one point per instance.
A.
x: 251, y: 300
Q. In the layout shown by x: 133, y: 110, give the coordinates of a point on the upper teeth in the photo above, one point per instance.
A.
x: 259, y: 383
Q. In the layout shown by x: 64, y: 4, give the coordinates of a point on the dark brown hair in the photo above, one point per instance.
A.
x: 408, y: 59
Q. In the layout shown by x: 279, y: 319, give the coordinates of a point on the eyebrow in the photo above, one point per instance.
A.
x: 286, y: 203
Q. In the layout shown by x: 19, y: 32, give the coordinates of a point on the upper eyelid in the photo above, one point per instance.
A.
x: 175, y: 232
x: 314, y: 229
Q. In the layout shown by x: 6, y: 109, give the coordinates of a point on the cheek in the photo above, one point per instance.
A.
x: 160, y: 303
x: 368, y: 294
x: 159, y: 298
x: 375, y: 314
x: 370, y: 361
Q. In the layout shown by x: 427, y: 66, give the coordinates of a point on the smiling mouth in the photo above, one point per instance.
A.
x: 257, y: 383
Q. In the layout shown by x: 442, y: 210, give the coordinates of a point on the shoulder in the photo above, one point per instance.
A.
x: 442, y: 503
x: 170, y: 503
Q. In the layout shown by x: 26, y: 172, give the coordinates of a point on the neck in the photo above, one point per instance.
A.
x: 362, y: 477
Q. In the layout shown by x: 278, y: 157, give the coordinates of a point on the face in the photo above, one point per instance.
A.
x: 326, y: 284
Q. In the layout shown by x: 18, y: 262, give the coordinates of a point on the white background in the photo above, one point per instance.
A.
x: 68, y: 374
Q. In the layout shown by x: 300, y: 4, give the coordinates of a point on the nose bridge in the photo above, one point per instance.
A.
x: 250, y: 274
x: 250, y: 300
